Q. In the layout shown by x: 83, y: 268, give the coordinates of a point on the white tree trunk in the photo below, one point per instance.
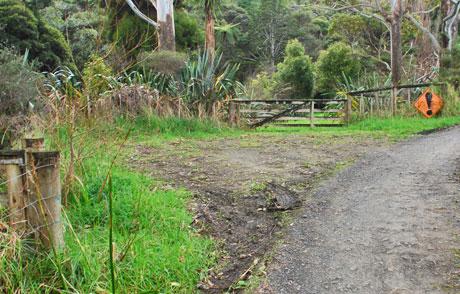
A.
x: 165, y: 20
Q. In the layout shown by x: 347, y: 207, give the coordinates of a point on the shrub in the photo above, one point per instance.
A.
x: 84, y: 44
x: 166, y: 62
x: 25, y: 31
x: 334, y: 66
x: 133, y: 34
x: 96, y: 77
x: 189, y: 33
x: 206, y: 80
x: 450, y: 67
x: 296, y: 71
x: 262, y: 86
x: 18, y: 92
x: 18, y: 83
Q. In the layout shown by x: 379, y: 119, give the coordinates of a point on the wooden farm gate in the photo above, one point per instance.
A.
x: 290, y: 112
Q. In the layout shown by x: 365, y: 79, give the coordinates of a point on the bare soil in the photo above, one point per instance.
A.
x: 244, y: 185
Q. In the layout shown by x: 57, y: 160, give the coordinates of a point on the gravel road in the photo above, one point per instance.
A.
x: 387, y: 224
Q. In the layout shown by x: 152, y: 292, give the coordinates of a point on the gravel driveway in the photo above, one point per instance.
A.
x: 388, y: 224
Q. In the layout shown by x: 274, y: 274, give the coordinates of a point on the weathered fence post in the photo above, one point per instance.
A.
x: 33, y: 144
x: 348, y: 110
x: 233, y: 114
x: 13, y: 161
x: 44, y: 198
x: 394, y: 98
x: 312, y: 114
x: 371, y: 103
x: 409, y: 98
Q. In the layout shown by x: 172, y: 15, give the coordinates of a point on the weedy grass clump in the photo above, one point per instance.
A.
x: 155, y: 249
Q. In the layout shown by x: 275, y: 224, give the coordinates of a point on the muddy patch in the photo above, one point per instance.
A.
x: 245, y: 187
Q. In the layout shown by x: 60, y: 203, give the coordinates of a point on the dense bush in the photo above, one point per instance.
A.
x: 18, y: 83
x: 296, y: 71
x: 96, y: 78
x: 450, y: 67
x: 167, y: 62
x: 84, y: 44
x: 18, y: 94
x: 23, y: 30
x: 189, y: 33
x: 334, y: 66
x: 133, y: 34
x: 261, y: 87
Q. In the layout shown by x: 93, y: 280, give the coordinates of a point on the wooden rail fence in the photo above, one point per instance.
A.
x: 290, y: 112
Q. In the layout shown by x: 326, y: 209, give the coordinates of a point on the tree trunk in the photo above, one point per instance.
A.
x: 166, y: 31
x: 445, y: 4
x: 396, y: 51
x: 210, y: 42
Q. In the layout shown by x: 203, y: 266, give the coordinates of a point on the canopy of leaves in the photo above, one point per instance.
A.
x: 296, y: 71
x: 23, y: 30
x: 334, y: 65
x: 189, y: 34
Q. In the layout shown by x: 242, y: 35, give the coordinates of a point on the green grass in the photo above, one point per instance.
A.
x: 393, y: 128
x: 156, y: 248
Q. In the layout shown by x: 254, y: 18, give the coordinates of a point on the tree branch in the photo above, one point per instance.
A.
x: 140, y: 14
x: 430, y: 35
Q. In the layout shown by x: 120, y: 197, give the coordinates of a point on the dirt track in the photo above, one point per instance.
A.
x: 231, y: 181
x: 385, y: 225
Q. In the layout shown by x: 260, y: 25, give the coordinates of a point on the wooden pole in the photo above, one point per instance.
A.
x: 33, y: 144
x: 312, y: 114
x: 371, y: 102
x: 44, y: 199
x: 12, y: 161
x: 232, y: 113
x: 348, y: 110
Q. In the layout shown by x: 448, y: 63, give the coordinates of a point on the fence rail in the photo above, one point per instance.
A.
x: 290, y: 112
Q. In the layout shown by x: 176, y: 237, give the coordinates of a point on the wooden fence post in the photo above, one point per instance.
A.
x: 348, y: 110
x: 394, y: 95
x: 44, y: 198
x: 33, y: 144
x: 233, y: 114
x: 13, y: 161
x: 312, y: 114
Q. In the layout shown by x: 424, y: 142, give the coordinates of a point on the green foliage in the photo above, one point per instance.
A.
x: 305, y: 28
x: 334, y: 66
x: 233, y: 38
x: 79, y: 25
x: 24, y: 31
x: 189, y: 33
x: 156, y: 249
x: 133, y: 34
x: 205, y: 81
x: 296, y: 71
x: 96, y: 77
x: 347, y: 26
x: 166, y: 62
x: 84, y: 44
x: 450, y: 67
x: 262, y: 86
x: 18, y: 84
